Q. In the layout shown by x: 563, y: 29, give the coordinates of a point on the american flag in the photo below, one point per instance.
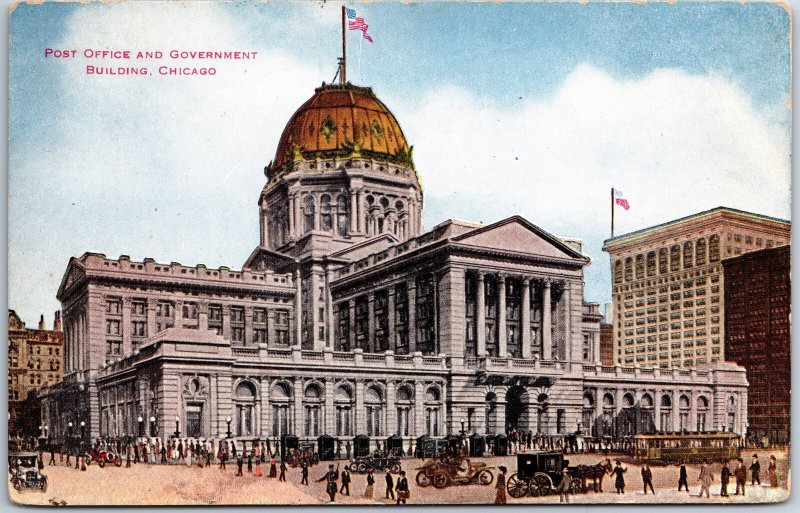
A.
x: 356, y: 23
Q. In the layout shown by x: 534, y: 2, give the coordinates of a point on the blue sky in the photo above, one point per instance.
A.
x: 513, y: 108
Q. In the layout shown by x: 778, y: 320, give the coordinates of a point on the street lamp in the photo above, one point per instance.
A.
x: 463, y: 421
x: 228, y: 420
x: 83, y: 430
x: 141, y: 425
x: 153, y: 426
x: 177, y: 427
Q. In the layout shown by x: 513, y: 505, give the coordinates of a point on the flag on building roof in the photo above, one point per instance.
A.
x: 356, y: 23
x: 619, y: 200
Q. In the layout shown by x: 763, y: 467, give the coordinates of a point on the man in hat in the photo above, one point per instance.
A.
x: 755, y: 470
x: 741, y: 475
x: 304, y: 473
x: 282, y: 476
x: 683, y: 478
x: 705, y: 478
x: 345, y: 489
x: 402, y: 488
x: 389, y: 485
x: 239, y: 463
x: 331, y: 477
x: 724, y: 477
x: 619, y: 481
x: 565, y: 485
x: 647, y: 478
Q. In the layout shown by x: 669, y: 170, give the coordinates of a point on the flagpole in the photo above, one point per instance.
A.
x: 344, y: 46
x: 612, y: 212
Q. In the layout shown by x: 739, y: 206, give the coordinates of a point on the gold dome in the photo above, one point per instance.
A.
x: 342, y: 121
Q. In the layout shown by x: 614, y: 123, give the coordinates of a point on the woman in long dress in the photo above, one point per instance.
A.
x: 772, y: 472
x: 500, y: 498
x: 368, y: 493
x: 273, y: 467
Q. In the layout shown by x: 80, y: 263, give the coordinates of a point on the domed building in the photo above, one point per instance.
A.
x: 349, y: 320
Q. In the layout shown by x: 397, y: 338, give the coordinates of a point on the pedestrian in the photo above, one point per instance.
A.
x: 128, y: 451
x: 223, y: 457
x: 772, y: 472
x: 724, y: 477
x: 370, y: 490
x: 273, y: 467
x: 345, y: 481
x: 741, y: 476
x: 282, y: 477
x: 566, y: 483
x: 389, y: 485
x: 403, y: 493
x: 239, y: 463
x: 705, y: 478
x: 755, y: 471
x: 347, y: 449
x: 250, y: 463
x: 647, y: 478
x: 330, y: 477
x: 259, y: 470
x: 144, y: 453
x: 500, y: 487
x: 619, y: 482
x: 683, y: 478
x: 304, y: 473
x: 68, y: 454
x: 52, y: 455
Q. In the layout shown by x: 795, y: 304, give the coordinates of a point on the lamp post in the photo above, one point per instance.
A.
x: 141, y: 425
x: 177, y: 427
x: 153, y: 431
x: 228, y: 420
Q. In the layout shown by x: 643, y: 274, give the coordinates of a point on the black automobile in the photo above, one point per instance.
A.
x: 24, y: 471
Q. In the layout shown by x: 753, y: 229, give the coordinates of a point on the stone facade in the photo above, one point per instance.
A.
x: 668, y: 285
x: 348, y: 319
x: 35, y: 361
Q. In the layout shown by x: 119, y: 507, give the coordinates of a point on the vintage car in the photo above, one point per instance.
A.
x: 540, y: 473
x: 441, y: 474
x: 103, y: 457
x: 376, y: 464
x: 24, y: 472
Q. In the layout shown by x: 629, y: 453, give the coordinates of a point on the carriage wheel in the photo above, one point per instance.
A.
x: 441, y: 479
x: 576, y: 487
x: 422, y: 479
x: 118, y: 461
x: 395, y: 468
x: 486, y: 477
x: 101, y: 462
x: 362, y: 468
x: 44, y: 484
x: 516, y: 486
x: 541, y: 484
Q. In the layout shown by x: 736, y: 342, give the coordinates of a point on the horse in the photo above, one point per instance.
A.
x: 596, y: 473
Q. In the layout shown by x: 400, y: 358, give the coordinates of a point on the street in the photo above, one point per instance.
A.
x: 144, y: 484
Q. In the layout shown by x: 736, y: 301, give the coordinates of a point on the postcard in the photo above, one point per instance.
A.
x: 319, y: 253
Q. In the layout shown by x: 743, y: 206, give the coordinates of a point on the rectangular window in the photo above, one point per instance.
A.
x: 138, y: 307
x: 189, y: 310
x: 139, y: 328
x: 282, y: 327
x: 214, y: 313
x: 237, y: 314
x: 237, y: 334
x: 259, y: 315
x: 112, y: 327
x: 259, y: 336
x: 114, y: 306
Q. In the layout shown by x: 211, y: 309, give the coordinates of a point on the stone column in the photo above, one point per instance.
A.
x: 657, y: 411
x: 526, y: 318
x: 419, y: 408
x: 390, y: 304
x: 547, y: 333
x: 676, y: 416
x: 360, y: 209
x: 264, y: 224
x: 248, y: 325
x: 226, y: 322
x: 598, y: 411
x: 331, y: 318
x: 412, y: 316
x: 127, y: 327
x: 299, y: 426
x: 502, y: 337
x: 292, y: 216
x: 480, y: 327
x: 298, y: 309
x: 298, y: 216
x: 361, y: 415
x: 371, y: 342
x: 693, y: 412
x: 352, y: 306
x: 353, y: 212
x: 596, y: 348
x: 266, y: 408
x: 330, y: 412
x: 391, y: 413
x: 566, y: 307
x: 151, y: 318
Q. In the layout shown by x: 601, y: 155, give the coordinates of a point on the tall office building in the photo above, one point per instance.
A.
x: 668, y: 284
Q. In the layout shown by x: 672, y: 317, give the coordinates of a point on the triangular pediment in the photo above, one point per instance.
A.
x: 263, y: 259
x: 75, y: 271
x: 518, y: 235
x: 366, y: 248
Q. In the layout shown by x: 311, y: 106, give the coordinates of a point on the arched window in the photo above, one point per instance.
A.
x: 588, y: 413
x: 700, y: 252
x: 618, y: 271
x: 373, y: 404
x: 683, y: 413
x: 433, y: 410
x: 491, y: 412
x: 342, y: 216
x: 542, y: 414
x: 326, y: 215
x: 403, y: 403
x: 308, y: 212
x: 343, y: 402
x: 675, y: 258
x: 627, y: 415
x: 666, y: 413
x: 702, y: 413
x: 646, y: 414
x: 280, y: 400
x: 731, y: 415
x: 245, y: 408
x: 713, y: 248
x: 688, y: 254
x: 312, y: 404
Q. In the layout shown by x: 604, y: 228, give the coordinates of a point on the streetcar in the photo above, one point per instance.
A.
x: 675, y: 448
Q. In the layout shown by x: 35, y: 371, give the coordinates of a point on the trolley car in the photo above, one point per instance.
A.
x: 673, y: 448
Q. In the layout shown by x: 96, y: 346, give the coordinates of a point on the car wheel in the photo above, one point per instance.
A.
x: 486, y: 477
x: 101, y: 463
x: 395, y: 468
x: 440, y: 480
x: 423, y: 480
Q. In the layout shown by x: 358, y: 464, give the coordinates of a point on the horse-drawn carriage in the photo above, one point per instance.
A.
x: 375, y: 463
x: 444, y: 473
x: 540, y: 473
x: 305, y: 452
